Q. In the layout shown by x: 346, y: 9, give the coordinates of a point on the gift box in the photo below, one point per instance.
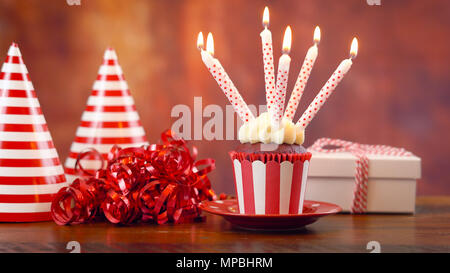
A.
x: 382, y: 178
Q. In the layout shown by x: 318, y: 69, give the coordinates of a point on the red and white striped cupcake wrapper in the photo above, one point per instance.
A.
x: 270, y: 183
x: 110, y: 118
x: 30, y: 170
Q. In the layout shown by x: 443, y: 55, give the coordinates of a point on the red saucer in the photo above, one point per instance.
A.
x: 313, y: 210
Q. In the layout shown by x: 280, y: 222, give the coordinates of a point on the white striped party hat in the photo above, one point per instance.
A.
x: 110, y: 118
x: 30, y: 170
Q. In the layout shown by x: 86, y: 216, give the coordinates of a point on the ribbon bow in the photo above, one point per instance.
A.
x: 360, y: 151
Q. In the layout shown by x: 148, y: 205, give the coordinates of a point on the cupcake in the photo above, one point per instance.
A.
x: 270, y: 164
x: 270, y: 167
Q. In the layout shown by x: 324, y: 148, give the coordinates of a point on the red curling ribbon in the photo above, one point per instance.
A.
x: 157, y: 183
x: 89, y: 153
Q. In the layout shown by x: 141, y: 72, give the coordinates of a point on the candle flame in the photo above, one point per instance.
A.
x: 266, y: 17
x: 287, y: 40
x: 354, y: 48
x: 317, y: 35
x: 200, y: 41
x: 210, y: 44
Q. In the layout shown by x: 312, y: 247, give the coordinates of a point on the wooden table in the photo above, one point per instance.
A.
x: 427, y: 231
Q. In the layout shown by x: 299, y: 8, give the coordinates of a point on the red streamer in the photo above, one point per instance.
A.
x: 158, y: 183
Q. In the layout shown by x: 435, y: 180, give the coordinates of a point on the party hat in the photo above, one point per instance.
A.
x: 30, y: 170
x: 110, y: 118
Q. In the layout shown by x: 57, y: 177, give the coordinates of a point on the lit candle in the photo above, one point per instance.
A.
x: 200, y: 41
x: 282, y: 76
x: 222, y: 78
x: 269, y: 70
x: 303, y: 77
x: 328, y: 88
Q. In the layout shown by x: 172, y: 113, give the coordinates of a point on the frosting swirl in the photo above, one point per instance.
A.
x: 262, y: 130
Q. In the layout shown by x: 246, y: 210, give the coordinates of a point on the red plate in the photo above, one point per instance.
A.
x: 313, y: 210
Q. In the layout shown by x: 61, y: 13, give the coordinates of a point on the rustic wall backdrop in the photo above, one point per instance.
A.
x: 397, y: 92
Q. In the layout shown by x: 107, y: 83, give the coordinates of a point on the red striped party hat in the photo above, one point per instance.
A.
x: 30, y: 170
x: 110, y: 118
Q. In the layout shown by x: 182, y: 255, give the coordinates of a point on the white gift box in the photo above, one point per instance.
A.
x: 391, y: 184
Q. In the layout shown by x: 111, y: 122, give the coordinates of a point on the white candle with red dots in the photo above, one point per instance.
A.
x: 282, y: 76
x: 303, y: 77
x: 222, y: 78
x: 269, y: 70
x: 328, y: 88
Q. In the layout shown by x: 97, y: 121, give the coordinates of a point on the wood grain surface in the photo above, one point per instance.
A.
x: 427, y: 231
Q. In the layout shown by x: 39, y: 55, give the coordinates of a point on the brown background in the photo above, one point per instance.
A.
x: 397, y: 92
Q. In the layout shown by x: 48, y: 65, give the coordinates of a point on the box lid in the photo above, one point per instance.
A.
x: 343, y: 164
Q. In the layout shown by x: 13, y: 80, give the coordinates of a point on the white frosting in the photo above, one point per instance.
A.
x: 262, y: 130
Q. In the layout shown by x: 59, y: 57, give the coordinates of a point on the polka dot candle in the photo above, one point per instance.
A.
x: 227, y: 86
x: 276, y: 87
x: 282, y: 80
x: 269, y: 70
x: 282, y: 77
x: 328, y: 88
x: 324, y: 93
x: 300, y: 84
x: 303, y: 76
